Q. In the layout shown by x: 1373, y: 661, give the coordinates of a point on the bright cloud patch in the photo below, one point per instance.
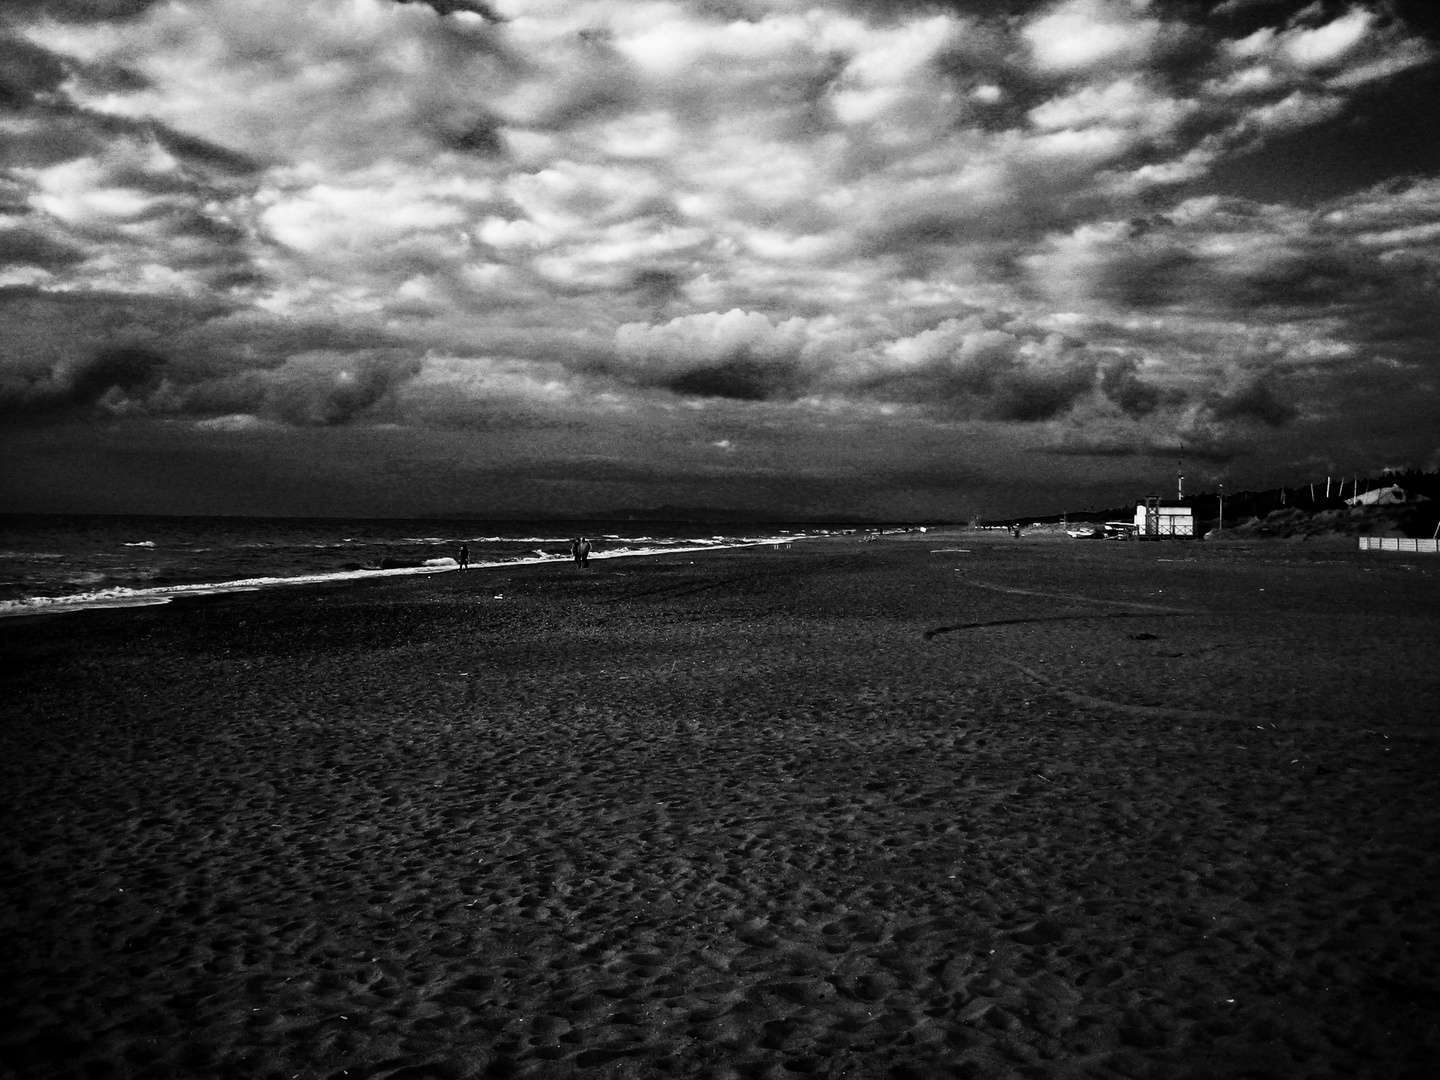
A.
x: 1083, y: 35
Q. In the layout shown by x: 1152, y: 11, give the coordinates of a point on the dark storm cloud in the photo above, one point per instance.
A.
x: 657, y: 286
x: 961, y: 369
x: 51, y: 338
x: 329, y: 388
x: 317, y: 376
x: 26, y: 245
x: 110, y: 376
x: 737, y: 355
x: 186, y: 221
x: 32, y: 75
x: 1254, y: 399
x: 53, y: 135
x: 1120, y: 381
x: 967, y: 368
x: 992, y: 387
x: 76, y: 357
x: 203, y: 153
x: 1189, y: 260
x: 78, y: 10
x: 449, y: 7
x: 26, y: 71
x: 1300, y: 287
x: 130, y: 370
x: 1171, y: 450
x: 1315, y: 279
x: 740, y: 378
x: 307, y: 390
x: 975, y: 368
x: 479, y: 135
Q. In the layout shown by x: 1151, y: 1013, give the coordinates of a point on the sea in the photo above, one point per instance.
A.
x: 57, y: 563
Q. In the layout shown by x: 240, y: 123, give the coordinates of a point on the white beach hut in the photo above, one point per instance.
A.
x: 1154, y: 519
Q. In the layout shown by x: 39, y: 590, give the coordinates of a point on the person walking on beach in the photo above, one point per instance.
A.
x: 580, y: 551
x: 464, y: 559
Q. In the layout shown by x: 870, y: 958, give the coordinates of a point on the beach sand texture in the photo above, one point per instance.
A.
x: 1047, y: 809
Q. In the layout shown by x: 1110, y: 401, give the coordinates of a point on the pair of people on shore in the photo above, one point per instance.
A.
x: 579, y: 551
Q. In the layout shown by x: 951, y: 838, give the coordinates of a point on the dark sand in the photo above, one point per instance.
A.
x: 1039, y: 809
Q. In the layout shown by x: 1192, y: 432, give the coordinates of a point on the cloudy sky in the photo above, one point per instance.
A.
x: 818, y: 257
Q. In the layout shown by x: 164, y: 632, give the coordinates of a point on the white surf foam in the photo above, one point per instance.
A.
x: 121, y: 597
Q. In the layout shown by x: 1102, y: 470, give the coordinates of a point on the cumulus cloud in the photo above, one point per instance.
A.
x: 331, y: 388
x: 737, y: 354
x: 976, y: 367
x: 1080, y: 36
x: 994, y: 373
x: 326, y: 213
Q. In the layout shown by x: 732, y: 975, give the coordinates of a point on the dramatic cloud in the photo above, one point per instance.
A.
x: 982, y: 225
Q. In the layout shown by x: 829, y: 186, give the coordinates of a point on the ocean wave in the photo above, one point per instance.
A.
x: 123, y: 596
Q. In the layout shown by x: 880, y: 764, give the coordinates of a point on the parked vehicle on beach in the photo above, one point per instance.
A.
x: 1110, y: 530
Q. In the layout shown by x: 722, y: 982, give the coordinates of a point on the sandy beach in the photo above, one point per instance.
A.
x: 941, y: 805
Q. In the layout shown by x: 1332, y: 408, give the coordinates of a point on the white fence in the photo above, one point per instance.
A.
x: 1398, y: 543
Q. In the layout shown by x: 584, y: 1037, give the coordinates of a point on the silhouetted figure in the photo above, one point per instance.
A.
x: 464, y: 558
x: 580, y: 551
x: 1015, y: 529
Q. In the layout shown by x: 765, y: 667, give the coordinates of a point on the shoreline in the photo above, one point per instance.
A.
x: 155, y: 596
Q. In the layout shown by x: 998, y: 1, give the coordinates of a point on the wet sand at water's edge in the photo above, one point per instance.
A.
x: 872, y: 810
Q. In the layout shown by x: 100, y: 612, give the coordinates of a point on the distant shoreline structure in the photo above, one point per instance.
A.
x: 1410, y: 504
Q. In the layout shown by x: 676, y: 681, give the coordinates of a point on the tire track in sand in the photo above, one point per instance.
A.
x: 937, y: 631
x: 1083, y: 599
x: 676, y: 590
x: 1161, y: 712
x: 1074, y: 696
